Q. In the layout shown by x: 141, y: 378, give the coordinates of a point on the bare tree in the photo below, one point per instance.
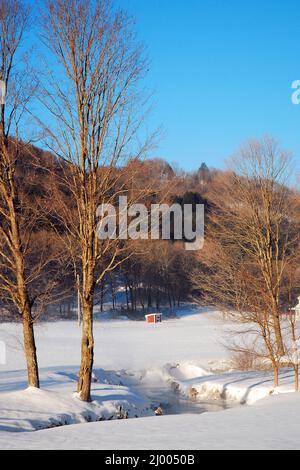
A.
x: 29, y: 262
x: 251, y: 242
x: 260, y: 181
x: 97, y: 106
x: 291, y: 317
x: 13, y: 22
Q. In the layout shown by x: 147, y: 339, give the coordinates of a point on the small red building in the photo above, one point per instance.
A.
x: 154, y: 318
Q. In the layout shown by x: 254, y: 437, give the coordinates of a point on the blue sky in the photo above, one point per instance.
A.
x: 222, y: 73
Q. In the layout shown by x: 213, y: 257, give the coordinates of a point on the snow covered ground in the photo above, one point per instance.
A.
x: 272, y: 424
x: 134, y: 360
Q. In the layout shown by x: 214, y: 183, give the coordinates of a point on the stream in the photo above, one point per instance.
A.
x: 174, y: 403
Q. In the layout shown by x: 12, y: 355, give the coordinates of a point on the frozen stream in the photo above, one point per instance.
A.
x: 174, y: 403
x: 164, y: 395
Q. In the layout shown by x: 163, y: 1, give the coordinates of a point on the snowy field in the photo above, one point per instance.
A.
x: 135, y: 366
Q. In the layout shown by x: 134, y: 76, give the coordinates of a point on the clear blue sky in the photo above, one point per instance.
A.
x: 222, y: 73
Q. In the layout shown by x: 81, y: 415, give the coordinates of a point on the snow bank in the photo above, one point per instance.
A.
x: 33, y: 409
x: 236, y: 387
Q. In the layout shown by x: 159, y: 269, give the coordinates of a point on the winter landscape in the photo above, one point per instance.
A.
x: 149, y: 227
x: 233, y: 410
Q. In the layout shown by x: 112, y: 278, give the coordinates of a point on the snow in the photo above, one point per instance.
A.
x: 245, y: 388
x: 271, y: 425
x: 33, y: 409
x: 133, y: 358
x: 123, y: 344
x: 2, y: 353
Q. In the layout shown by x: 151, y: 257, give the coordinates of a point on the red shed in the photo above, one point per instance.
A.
x: 154, y: 318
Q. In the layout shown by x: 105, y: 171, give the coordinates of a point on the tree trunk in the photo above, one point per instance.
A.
x: 170, y: 299
x: 102, y: 297
x: 23, y: 301
x: 296, y: 369
x: 131, y: 298
x: 276, y: 376
x: 157, y: 300
x: 150, y: 297
x: 87, y: 353
x: 30, y: 350
x: 278, y: 335
x: 127, y: 297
